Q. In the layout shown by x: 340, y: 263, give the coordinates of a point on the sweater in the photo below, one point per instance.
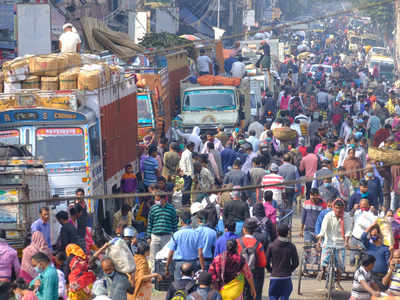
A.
x: 282, y: 258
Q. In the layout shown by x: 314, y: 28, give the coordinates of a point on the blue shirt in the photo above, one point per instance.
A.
x: 48, y: 289
x: 380, y: 253
x: 150, y: 166
x: 320, y: 218
x: 44, y: 228
x: 220, y: 244
x: 185, y: 244
x: 228, y: 156
x: 207, y: 240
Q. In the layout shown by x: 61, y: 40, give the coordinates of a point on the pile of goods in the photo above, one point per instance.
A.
x: 62, y: 71
x: 285, y: 134
x: 387, y: 156
x: 208, y: 80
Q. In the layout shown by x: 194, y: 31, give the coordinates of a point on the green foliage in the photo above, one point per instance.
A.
x: 382, y: 16
x: 162, y: 40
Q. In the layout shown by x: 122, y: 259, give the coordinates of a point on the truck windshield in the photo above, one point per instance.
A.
x: 145, y: 111
x: 387, y: 68
x: 9, y: 137
x: 209, y: 100
x: 60, y: 144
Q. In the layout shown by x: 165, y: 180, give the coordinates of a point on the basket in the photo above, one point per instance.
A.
x: 285, y: 134
x: 163, y: 284
x: 387, y: 156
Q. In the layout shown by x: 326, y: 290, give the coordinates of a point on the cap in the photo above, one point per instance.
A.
x: 274, y: 167
x: 195, y: 208
x: 129, y: 232
x: 66, y: 25
x: 204, y: 278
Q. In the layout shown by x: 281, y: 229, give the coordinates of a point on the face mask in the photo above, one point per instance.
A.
x: 38, y: 269
x: 157, y: 202
x: 397, y: 266
x: 374, y: 238
x: 111, y: 274
x: 369, y: 174
x: 389, y: 219
x: 364, y: 195
x: 327, y: 184
x: 364, y: 209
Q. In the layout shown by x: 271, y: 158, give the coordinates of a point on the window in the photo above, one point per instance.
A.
x: 94, y: 140
x: 9, y: 137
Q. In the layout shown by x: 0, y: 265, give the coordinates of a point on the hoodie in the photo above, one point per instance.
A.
x: 282, y: 258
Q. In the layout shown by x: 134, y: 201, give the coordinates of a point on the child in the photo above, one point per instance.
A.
x: 363, y: 285
x: 59, y: 260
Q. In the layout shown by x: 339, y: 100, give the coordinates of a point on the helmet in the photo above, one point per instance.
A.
x: 130, y: 232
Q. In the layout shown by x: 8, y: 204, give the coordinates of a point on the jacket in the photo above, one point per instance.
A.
x: 282, y: 258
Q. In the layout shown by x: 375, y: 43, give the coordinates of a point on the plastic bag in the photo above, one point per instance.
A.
x: 121, y: 256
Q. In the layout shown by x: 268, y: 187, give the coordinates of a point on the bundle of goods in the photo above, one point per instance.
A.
x: 285, y: 134
x: 207, y: 80
x: 387, y: 156
x: 140, y: 81
x: 63, y: 71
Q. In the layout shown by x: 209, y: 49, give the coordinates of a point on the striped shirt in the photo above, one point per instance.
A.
x: 395, y: 282
x: 276, y: 190
x: 162, y: 220
x: 150, y: 166
x: 311, y: 212
x: 358, y: 292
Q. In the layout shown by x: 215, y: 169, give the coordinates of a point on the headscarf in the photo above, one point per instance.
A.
x: 75, y: 250
x: 38, y: 244
x: 341, y: 215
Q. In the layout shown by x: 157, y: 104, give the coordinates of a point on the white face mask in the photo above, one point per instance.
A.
x: 18, y: 296
x: 389, y: 219
x: 157, y: 202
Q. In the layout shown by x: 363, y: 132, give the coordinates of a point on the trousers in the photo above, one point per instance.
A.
x: 280, y: 289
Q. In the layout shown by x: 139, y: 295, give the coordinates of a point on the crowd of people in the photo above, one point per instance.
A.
x: 220, y: 245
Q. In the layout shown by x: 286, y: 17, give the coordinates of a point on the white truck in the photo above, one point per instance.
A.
x: 22, y: 179
x: 209, y: 106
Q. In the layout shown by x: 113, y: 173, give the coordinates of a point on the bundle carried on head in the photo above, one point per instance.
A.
x: 285, y: 134
x: 387, y: 156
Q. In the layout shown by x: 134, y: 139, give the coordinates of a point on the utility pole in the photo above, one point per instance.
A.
x: 397, y: 34
x: 218, y: 9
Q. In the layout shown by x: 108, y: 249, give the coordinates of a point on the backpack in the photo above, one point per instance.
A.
x: 181, y: 294
x: 250, y: 254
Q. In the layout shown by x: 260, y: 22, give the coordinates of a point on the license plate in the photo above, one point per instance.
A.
x: 269, y: 119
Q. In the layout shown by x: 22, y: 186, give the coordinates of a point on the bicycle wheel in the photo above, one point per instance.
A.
x: 300, y: 274
x: 330, y: 281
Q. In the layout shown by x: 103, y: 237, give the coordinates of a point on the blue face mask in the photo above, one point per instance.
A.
x: 38, y: 269
x: 364, y: 195
x: 111, y: 274
x: 397, y: 266
x: 370, y: 174
x: 374, y: 238
x: 327, y: 184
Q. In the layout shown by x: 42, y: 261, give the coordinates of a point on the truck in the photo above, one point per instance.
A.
x: 209, y: 106
x: 385, y: 66
x: 22, y: 178
x: 85, y: 137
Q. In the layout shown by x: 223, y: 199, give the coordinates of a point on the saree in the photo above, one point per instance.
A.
x: 143, y: 289
x: 80, y: 278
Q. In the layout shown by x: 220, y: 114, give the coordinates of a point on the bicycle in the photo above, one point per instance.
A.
x: 331, y: 270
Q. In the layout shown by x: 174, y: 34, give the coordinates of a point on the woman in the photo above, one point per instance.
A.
x: 38, y: 244
x: 373, y: 242
x: 396, y: 228
x: 228, y: 271
x: 143, y: 276
x: 266, y: 232
x: 21, y: 290
x: 80, y: 278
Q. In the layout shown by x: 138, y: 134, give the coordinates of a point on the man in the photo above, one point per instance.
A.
x: 162, y: 223
x: 220, y: 244
x: 257, y: 127
x: 327, y: 191
x: 183, y: 286
x: 309, y: 165
x: 115, y: 283
x: 130, y: 237
x: 321, y: 217
x: 171, y: 162
x: 253, y: 140
x: 211, y: 139
x: 271, y: 179
x: 311, y: 210
x: 374, y: 186
x: 248, y: 148
x: 204, y: 291
x: 256, y: 175
x: 228, y: 156
x: 325, y: 171
x: 248, y: 241
x: 221, y: 135
x: 150, y: 168
x: 68, y: 232
x: 8, y: 263
x: 392, y: 277
x: 282, y: 260
x: 214, y: 159
x: 362, y: 193
x: 183, y: 247
x: 238, y: 68
x: 204, y: 63
x: 236, y: 176
x: 46, y: 283
x: 335, y: 233
x: 186, y: 166
x: 69, y: 41
x: 352, y: 165
x: 289, y: 172
x: 206, y: 238
x: 236, y: 211
x: 43, y: 225
x: 129, y: 184
x: 123, y: 217
x: 322, y: 99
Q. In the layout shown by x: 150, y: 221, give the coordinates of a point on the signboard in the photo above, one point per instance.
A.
x: 249, y: 18
x: 40, y: 115
x: 8, y: 213
x: 59, y: 131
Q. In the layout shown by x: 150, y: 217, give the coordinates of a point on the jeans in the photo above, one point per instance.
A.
x: 156, y: 244
x: 187, y: 186
x: 309, y: 237
x: 394, y: 200
x: 280, y: 289
x: 308, y: 189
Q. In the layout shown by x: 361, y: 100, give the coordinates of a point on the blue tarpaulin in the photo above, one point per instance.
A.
x: 188, y: 17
